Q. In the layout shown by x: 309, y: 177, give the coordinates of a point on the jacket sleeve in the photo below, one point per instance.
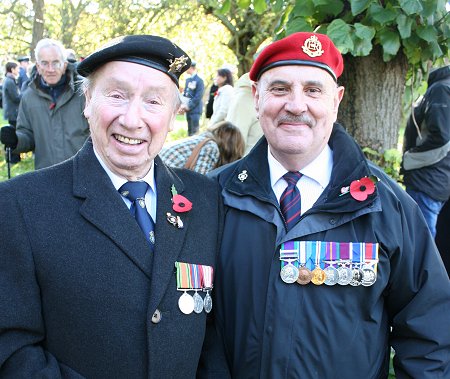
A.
x: 417, y: 300
x: 12, y: 91
x: 198, y: 95
x: 24, y: 130
x: 435, y: 144
x: 22, y: 328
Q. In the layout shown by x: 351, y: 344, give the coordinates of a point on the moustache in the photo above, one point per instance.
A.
x: 301, y: 119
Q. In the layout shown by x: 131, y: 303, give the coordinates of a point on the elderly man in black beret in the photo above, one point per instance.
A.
x: 107, y: 259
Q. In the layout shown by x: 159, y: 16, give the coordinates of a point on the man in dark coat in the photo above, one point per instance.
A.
x: 325, y: 263
x: 193, y: 99
x: 88, y: 290
x: 426, y: 144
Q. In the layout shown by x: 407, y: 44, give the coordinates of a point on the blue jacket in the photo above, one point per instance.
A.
x: 193, y: 90
x: 275, y: 330
x: 81, y: 295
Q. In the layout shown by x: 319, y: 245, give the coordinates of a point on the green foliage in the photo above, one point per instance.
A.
x: 25, y: 165
x: 390, y: 161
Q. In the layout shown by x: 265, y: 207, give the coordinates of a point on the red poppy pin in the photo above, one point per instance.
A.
x: 180, y: 203
x: 362, y: 188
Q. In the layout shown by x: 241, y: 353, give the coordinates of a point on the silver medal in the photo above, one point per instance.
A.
x: 198, y: 303
x: 186, y: 303
x: 289, y: 273
x: 332, y: 276
x: 345, y: 275
x: 369, y: 276
x: 357, y: 277
x: 207, y: 302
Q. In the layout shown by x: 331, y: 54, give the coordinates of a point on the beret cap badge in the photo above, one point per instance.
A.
x: 312, y: 47
x: 177, y: 64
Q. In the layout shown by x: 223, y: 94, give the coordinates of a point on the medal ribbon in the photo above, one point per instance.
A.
x: 207, y: 276
x: 196, y: 276
x: 184, y: 277
x: 289, y: 253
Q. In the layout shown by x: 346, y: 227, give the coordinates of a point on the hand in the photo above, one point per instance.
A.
x: 8, y: 136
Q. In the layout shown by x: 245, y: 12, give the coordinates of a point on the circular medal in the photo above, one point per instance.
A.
x: 304, y: 276
x: 207, y: 302
x: 369, y: 276
x: 344, y: 275
x: 318, y: 276
x: 198, y: 303
x: 186, y: 303
x: 332, y: 276
x: 357, y: 277
x: 289, y: 273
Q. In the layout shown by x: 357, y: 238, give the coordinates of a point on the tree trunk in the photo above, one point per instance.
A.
x: 371, y: 109
x: 38, y: 25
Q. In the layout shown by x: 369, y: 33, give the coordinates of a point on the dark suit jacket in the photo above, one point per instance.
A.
x: 194, y: 90
x: 81, y: 295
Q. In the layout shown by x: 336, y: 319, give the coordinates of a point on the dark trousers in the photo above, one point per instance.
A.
x: 193, y: 120
x: 15, y: 158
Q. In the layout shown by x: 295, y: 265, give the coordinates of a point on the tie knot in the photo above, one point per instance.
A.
x: 292, y: 177
x: 134, y: 190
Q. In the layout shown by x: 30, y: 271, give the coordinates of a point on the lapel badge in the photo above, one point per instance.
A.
x: 243, y: 176
x: 175, y: 220
x: 152, y: 237
x: 312, y: 47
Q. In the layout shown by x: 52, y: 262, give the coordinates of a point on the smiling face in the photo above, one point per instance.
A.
x: 297, y: 106
x: 130, y: 109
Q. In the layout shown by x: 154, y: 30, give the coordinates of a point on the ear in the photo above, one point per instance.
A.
x: 255, y: 94
x: 87, y: 106
x: 339, y: 95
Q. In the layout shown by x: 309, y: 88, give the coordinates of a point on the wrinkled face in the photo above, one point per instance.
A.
x: 130, y: 109
x: 50, y: 65
x: 297, y: 106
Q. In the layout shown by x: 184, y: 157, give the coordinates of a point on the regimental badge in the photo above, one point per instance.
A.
x: 243, y: 176
x: 177, y: 64
x: 312, y: 47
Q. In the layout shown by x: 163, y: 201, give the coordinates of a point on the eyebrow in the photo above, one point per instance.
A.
x: 311, y: 82
x: 125, y: 84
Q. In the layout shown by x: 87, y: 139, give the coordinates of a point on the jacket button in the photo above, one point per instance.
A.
x: 156, y: 318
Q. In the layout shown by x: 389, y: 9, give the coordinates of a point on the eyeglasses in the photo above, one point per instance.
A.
x: 55, y: 64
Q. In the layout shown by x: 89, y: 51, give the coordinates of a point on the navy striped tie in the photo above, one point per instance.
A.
x: 135, y: 192
x: 290, y: 201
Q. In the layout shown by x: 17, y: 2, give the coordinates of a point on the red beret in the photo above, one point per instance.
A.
x: 303, y: 48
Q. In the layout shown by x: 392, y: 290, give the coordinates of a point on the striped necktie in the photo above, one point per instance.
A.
x: 290, y: 201
x: 135, y: 192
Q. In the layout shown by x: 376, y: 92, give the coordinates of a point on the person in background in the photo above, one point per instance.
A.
x: 325, y: 263
x: 96, y: 251
x: 220, y: 144
x: 210, y: 102
x: 192, y: 104
x: 24, y: 63
x: 50, y: 121
x: 242, y: 112
x: 223, y: 96
x: 426, y: 145
x: 11, y: 99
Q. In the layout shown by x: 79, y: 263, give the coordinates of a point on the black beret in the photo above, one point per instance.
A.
x: 152, y: 51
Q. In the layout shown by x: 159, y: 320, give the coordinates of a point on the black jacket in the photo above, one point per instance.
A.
x: 426, y: 161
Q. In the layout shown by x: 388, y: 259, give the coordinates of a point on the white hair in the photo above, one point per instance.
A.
x: 48, y: 42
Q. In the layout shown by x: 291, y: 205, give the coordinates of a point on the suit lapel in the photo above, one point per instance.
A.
x: 104, y: 208
x: 169, y: 238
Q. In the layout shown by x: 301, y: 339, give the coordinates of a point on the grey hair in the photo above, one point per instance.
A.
x: 48, y: 42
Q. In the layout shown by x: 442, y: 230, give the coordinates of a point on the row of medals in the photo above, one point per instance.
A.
x: 356, y: 275
x: 194, y: 303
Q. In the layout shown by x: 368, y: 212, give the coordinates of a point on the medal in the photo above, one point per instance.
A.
x: 186, y: 303
x: 369, y: 276
x: 332, y: 276
x: 304, y: 276
x: 345, y: 274
x: 198, y: 303
x: 289, y: 262
x: 207, y: 286
x: 318, y: 276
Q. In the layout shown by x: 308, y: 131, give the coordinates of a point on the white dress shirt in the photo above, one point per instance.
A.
x: 149, y: 178
x: 316, y: 177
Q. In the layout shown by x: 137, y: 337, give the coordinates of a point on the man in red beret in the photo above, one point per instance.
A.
x: 325, y: 262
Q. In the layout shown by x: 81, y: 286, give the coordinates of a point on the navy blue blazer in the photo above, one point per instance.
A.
x: 194, y: 90
x: 81, y: 295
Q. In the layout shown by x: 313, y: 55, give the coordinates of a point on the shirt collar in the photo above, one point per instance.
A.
x: 319, y: 169
x: 118, y: 181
